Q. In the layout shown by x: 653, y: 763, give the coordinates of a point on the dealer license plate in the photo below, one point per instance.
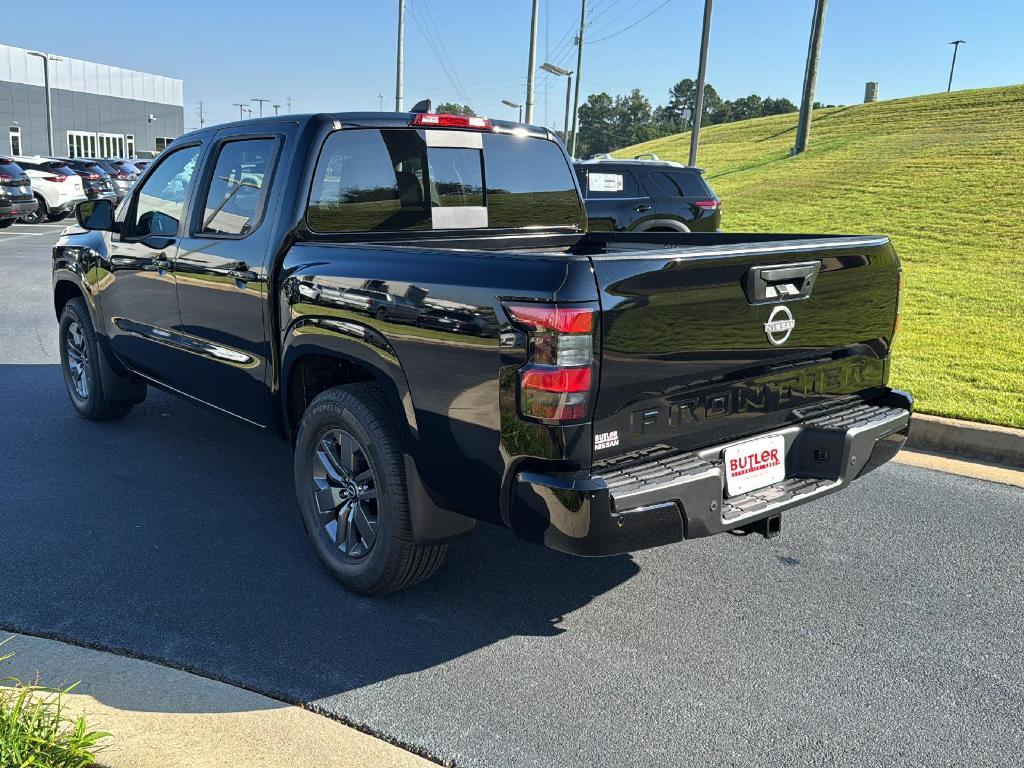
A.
x: 754, y: 464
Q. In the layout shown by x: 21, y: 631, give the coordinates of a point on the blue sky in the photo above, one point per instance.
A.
x: 340, y: 55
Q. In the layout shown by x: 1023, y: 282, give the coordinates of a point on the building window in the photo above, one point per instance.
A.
x: 129, y: 146
x: 15, y: 140
x: 162, y: 142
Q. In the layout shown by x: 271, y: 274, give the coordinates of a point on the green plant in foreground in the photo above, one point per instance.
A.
x: 36, y: 732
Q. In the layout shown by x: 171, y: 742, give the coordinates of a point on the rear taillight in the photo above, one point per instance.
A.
x: 557, y: 380
x: 57, y: 179
x: 427, y: 120
x: 707, y: 205
x: 123, y: 176
x: 91, y: 176
x: 4, y: 178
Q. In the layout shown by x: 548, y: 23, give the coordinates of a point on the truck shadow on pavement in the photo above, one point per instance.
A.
x: 173, y: 535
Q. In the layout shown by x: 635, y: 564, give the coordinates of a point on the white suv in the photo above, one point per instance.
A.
x: 56, y: 187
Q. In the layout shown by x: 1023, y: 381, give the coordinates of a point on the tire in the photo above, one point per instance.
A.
x: 38, y: 216
x: 57, y: 216
x: 80, y: 359
x: 7, y: 223
x: 372, y: 489
x: 382, y: 314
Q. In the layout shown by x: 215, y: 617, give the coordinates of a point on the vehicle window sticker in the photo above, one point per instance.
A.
x: 605, y: 182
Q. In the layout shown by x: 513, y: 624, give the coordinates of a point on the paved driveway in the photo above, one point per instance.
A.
x: 884, y: 627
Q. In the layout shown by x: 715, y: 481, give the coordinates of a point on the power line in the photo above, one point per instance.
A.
x: 449, y: 72
x: 629, y: 27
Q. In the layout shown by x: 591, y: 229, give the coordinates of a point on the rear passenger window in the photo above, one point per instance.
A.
x: 238, y: 190
x: 610, y: 184
x: 679, y: 184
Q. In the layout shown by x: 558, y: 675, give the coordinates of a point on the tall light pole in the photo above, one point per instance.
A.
x: 579, y: 76
x: 276, y: 107
x: 702, y: 71
x: 532, y: 68
x: 241, y: 110
x: 47, y: 58
x: 803, y: 126
x: 401, y: 56
x: 512, y: 104
x: 261, y: 103
x: 566, y: 73
x: 956, y: 47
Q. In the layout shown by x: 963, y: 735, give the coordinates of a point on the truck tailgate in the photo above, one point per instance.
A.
x: 706, y: 343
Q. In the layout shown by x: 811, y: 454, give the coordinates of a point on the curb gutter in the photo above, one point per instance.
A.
x: 972, y: 440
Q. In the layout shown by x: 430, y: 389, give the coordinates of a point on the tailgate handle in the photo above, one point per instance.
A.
x: 780, y: 282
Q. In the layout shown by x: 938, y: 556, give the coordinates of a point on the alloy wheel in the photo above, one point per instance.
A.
x: 78, y: 360
x: 345, y: 493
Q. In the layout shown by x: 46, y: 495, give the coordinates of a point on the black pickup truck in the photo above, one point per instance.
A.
x: 596, y: 392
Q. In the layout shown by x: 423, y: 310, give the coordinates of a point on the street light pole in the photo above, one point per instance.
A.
x: 261, y: 102
x: 956, y: 47
x: 241, y: 109
x: 47, y: 58
x: 566, y: 73
x: 276, y: 107
x: 514, y: 105
x: 579, y: 76
x: 532, y: 68
x: 702, y: 71
x: 401, y: 56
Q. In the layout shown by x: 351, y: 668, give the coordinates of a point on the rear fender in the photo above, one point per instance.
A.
x: 364, y: 347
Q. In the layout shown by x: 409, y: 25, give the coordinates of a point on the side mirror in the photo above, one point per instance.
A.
x: 95, y: 214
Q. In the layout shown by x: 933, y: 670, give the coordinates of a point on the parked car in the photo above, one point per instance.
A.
x: 95, y: 180
x: 648, y: 195
x: 141, y: 163
x: 122, y: 173
x: 56, y: 187
x: 457, y: 321
x: 643, y: 389
x: 16, y: 199
x: 380, y: 304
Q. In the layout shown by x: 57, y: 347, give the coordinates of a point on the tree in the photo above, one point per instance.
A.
x: 682, y: 97
x: 633, y: 119
x: 781, y: 106
x: 597, y: 119
x: 451, y: 108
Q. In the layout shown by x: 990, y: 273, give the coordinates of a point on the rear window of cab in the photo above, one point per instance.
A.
x: 394, y: 179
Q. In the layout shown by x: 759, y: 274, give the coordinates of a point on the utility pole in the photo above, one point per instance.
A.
x: 803, y: 126
x: 702, y: 71
x: 261, y: 102
x: 241, y: 108
x: 47, y: 58
x: 579, y: 76
x: 380, y: 98
x: 401, y: 56
x: 956, y: 47
x: 276, y: 107
x: 202, y: 118
x: 532, y: 69
x: 289, y: 102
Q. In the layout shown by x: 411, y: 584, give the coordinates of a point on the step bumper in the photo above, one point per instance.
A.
x: 667, y: 496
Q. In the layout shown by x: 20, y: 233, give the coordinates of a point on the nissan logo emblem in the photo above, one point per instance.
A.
x: 779, y: 326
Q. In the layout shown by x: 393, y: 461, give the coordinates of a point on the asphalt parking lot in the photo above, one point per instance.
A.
x: 884, y: 627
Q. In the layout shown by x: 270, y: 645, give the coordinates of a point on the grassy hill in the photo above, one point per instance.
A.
x: 943, y: 175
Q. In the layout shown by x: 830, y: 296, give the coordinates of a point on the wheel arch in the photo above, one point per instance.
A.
x: 670, y: 224
x: 320, y: 353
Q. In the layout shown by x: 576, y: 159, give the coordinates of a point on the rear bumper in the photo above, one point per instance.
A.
x: 12, y: 210
x: 64, y: 206
x: 664, y: 496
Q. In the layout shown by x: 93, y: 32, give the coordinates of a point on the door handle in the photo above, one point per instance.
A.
x: 642, y: 208
x: 242, y: 273
x: 161, y: 262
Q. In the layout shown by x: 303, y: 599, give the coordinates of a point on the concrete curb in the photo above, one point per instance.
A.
x: 161, y: 717
x: 972, y: 440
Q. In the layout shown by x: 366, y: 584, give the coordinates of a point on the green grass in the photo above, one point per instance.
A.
x: 35, y: 731
x: 943, y: 176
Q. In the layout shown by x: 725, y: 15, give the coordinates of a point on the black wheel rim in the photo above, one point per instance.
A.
x: 345, y: 493
x: 78, y: 360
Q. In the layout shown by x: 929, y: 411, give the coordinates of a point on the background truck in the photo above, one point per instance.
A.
x: 598, y: 393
